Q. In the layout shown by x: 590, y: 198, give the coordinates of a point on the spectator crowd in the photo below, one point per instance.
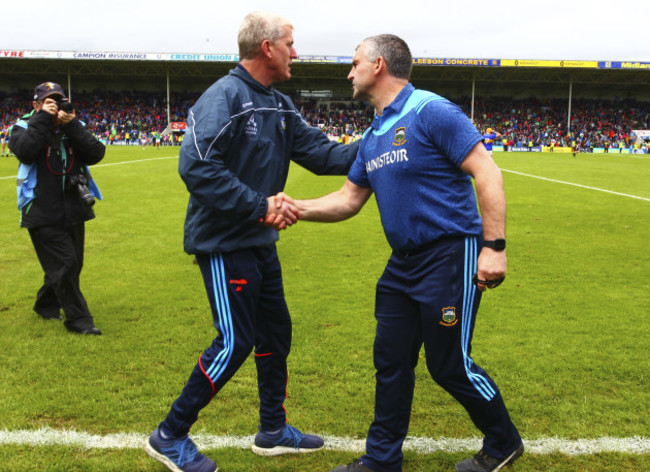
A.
x: 594, y: 123
x: 140, y: 118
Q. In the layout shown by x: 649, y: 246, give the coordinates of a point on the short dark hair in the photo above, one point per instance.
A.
x: 395, y: 52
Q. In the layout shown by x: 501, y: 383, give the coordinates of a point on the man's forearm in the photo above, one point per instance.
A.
x: 492, y: 202
x: 337, y: 206
x: 327, y: 209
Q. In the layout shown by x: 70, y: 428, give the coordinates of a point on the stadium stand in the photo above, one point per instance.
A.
x: 608, y: 102
x: 538, y: 122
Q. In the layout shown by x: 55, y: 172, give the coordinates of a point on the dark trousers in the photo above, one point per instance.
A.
x: 428, y: 299
x: 61, y: 254
x: 249, y: 310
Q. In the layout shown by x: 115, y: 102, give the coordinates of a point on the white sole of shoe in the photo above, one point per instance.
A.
x: 162, y: 458
x: 279, y: 450
x: 506, y: 461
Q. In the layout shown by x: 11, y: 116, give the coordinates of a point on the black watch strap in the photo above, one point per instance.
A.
x: 497, y: 244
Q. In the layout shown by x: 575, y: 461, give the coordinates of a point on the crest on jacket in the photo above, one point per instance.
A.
x: 251, y: 126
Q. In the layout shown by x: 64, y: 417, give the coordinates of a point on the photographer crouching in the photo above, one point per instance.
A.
x: 55, y: 197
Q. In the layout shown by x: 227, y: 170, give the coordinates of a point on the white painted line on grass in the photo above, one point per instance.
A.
x: 112, y: 164
x: 576, y: 185
x: 54, y: 437
x: 108, y: 164
x: 503, y: 170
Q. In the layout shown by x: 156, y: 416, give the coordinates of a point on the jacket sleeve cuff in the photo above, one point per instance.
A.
x: 262, y: 209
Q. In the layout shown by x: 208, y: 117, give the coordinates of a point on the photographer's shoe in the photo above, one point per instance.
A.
x: 286, y: 441
x: 90, y: 330
x: 179, y: 455
x: 481, y: 462
x: 50, y: 315
x: 48, y: 312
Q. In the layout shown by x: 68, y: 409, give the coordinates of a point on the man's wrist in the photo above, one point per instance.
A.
x: 496, y: 244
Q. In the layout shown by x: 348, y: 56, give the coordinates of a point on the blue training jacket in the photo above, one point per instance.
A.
x: 236, y: 151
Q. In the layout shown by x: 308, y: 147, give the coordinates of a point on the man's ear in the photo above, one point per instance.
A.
x: 266, y: 48
x: 380, y: 65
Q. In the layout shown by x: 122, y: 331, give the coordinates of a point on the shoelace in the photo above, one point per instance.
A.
x: 181, y: 453
x: 294, y: 435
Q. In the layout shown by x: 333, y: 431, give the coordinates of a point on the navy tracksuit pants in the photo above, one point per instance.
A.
x: 249, y: 310
x: 428, y: 298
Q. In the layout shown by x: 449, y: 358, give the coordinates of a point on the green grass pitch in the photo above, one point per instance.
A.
x: 565, y: 337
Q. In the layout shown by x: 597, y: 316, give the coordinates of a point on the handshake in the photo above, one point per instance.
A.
x: 282, y: 212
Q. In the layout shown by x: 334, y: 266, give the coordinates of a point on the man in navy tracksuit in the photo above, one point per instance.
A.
x: 235, y: 156
x: 417, y: 157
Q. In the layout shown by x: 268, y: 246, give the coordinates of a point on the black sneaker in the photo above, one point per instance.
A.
x: 287, y: 441
x: 355, y: 466
x: 52, y: 314
x: 481, y: 462
x: 89, y: 330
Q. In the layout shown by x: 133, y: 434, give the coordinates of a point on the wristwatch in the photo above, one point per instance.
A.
x: 497, y: 244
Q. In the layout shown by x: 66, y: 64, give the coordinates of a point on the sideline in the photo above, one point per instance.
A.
x: 542, y: 446
x: 113, y: 164
x: 576, y: 185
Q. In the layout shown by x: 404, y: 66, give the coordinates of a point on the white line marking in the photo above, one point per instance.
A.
x: 54, y: 437
x: 112, y: 164
x: 576, y: 185
x: 132, y: 162
x: 503, y: 170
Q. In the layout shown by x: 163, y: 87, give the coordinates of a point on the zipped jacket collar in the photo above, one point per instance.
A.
x: 241, y: 73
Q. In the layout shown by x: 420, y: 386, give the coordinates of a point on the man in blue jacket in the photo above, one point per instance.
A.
x: 241, y: 136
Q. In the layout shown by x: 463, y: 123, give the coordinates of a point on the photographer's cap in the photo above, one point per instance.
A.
x: 46, y: 89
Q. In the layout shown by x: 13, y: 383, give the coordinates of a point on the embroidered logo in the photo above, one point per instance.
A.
x: 238, y: 284
x: 251, y: 126
x: 449, y: 316
x: 400, y: 136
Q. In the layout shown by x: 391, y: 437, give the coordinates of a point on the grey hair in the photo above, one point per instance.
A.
x: 255, y: 28
x: 395, y: 52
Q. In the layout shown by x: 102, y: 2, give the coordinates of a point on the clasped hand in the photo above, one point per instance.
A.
x: 281, y: 213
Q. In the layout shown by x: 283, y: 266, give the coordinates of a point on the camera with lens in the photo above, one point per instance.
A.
x: 81, y: 183
x: 65, y: 106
